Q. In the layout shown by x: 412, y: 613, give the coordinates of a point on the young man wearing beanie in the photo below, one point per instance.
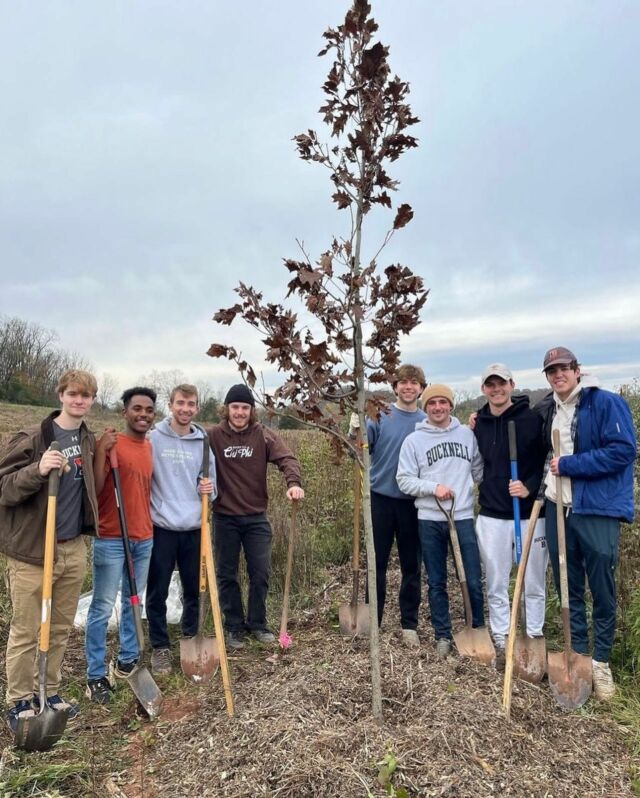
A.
x: 440, y: 460
x: 597, y: 454
x: 176, y: 507
x: 495, y: 522
x: 244, y: 448
x: 393, y: 513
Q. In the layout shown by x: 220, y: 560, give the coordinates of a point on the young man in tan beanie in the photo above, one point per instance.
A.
x: 440, y: 461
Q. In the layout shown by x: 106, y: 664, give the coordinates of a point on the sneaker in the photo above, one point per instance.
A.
x: 501, y: 659
x: 99, y: 690
x: 161, y: 661
x: 443, y: 647
x: 263, y: 635
x: 410, y: 638
x: 603, y: 685
x: 235, y: 640
x: 121, y: 670
x: 58, y: 704
x: 22, y: 709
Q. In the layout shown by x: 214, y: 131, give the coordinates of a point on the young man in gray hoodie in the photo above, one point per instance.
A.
x: 440, y: 460
x: 176, y: 488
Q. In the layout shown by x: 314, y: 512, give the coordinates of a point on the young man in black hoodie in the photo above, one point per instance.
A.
x: 495, y: 524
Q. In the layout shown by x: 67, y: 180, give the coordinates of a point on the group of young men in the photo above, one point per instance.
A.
x: 423, y: 460
x: 162, y: 479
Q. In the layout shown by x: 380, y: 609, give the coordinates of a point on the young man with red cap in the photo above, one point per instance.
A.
x: 393, y: 512
x: 440, y: 462
x: 597, y: 454
x: 495, y: 523
x: 243, y: 449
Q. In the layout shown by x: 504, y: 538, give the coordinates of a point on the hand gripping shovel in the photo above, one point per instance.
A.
x: 41, y: 731
x: 526, y: 659
x: 470, y: 642
x: 199, y: 656
x: 530, y: 652
x: 354, y: 617
x: 284, y: 637
x: 570, y: 673
x: 140, y: 680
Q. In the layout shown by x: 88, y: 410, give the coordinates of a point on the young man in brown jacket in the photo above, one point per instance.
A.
x: 242, y: 449
x: 25, y: 464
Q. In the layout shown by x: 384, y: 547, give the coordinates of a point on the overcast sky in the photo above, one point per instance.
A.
x: 146, y: 166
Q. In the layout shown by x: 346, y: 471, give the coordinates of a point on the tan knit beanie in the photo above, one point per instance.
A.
x: 436, y: 390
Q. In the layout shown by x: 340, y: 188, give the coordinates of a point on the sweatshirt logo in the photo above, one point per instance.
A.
x: 231, y: 452
x: 447, y: 449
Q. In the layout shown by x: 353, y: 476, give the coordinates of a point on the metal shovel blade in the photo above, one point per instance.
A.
x: 475, y: 643
x: 570, y: 686
x: 354, y: 620
x: 42, y: 731
x: 199, y: 658
x: 530, y: 661
x: 146, y: 690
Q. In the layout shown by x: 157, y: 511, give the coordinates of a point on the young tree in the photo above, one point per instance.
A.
x: 360, y: 313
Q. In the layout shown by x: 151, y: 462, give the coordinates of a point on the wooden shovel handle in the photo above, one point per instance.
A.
x: 49, y: 547
x: 287, y: 579
x: 562, y: 557
x: 217, y: 622
x: 457, y: 556
x: 517, y: 592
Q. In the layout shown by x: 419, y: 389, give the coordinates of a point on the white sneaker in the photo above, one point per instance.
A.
x: 603, y: 685
x: 410, y: 638
x: 443, y: 647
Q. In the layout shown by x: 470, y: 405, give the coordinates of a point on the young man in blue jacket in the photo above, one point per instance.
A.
x: 597, y: 453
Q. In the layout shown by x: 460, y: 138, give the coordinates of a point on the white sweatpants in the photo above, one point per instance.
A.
x: 496, y: 541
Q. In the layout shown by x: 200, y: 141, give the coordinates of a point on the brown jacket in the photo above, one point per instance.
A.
x: 241, y: 467
x: 24, y: 493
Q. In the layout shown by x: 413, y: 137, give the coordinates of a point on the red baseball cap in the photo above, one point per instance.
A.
x: 559, y: 355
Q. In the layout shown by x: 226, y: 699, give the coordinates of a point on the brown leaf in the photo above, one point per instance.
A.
x: 403, y: 216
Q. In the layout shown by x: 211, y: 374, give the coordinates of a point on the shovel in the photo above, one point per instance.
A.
x: 524, y: 655
x: 470, y: 642
x: 530, y: 652
x: 284, y: 637
x: 354, y: 617
x: 41, y: 731
x: 199, y: 657
x: 140, y: 680
x: 570, y: 673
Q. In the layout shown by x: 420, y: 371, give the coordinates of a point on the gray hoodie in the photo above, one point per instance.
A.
x: 177, y: 465
x: 433, y: 456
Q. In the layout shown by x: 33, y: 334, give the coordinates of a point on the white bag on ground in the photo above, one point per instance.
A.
x: 174, y: 606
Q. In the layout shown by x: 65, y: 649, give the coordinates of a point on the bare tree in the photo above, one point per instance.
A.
x: 108, y: 390
x: 163, y: 382
x: 360, y: 313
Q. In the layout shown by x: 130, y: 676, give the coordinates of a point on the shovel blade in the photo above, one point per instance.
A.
x: 199, y: 658
x: 42, y: 731
x: 476, y: 644
x: 530, y: 661
x: 354, y: 620
x: 146, y: 690
x: 571, y: 686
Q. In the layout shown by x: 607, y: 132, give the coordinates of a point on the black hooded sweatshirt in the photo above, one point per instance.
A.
x: 493, y: 441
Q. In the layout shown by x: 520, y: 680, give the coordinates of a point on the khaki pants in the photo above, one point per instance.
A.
x: 25, y: 586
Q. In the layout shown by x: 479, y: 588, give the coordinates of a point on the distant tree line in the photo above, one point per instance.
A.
x: 31, y: 362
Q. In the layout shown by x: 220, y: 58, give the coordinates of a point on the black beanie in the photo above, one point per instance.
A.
x: 239, y: 393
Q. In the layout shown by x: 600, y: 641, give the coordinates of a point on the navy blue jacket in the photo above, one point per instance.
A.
x: 493, y: 441
x: 601, y: 467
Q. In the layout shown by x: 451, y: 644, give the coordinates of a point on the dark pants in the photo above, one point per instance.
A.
x: 592, y: 550
x: 171, y: 547
x: 397, y: 518
x: 434, y: 539
x: 253, y: 534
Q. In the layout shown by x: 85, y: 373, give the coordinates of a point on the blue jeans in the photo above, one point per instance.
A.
x: 434, y: 540
x: 592, y: 550
x: 109, y: 570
